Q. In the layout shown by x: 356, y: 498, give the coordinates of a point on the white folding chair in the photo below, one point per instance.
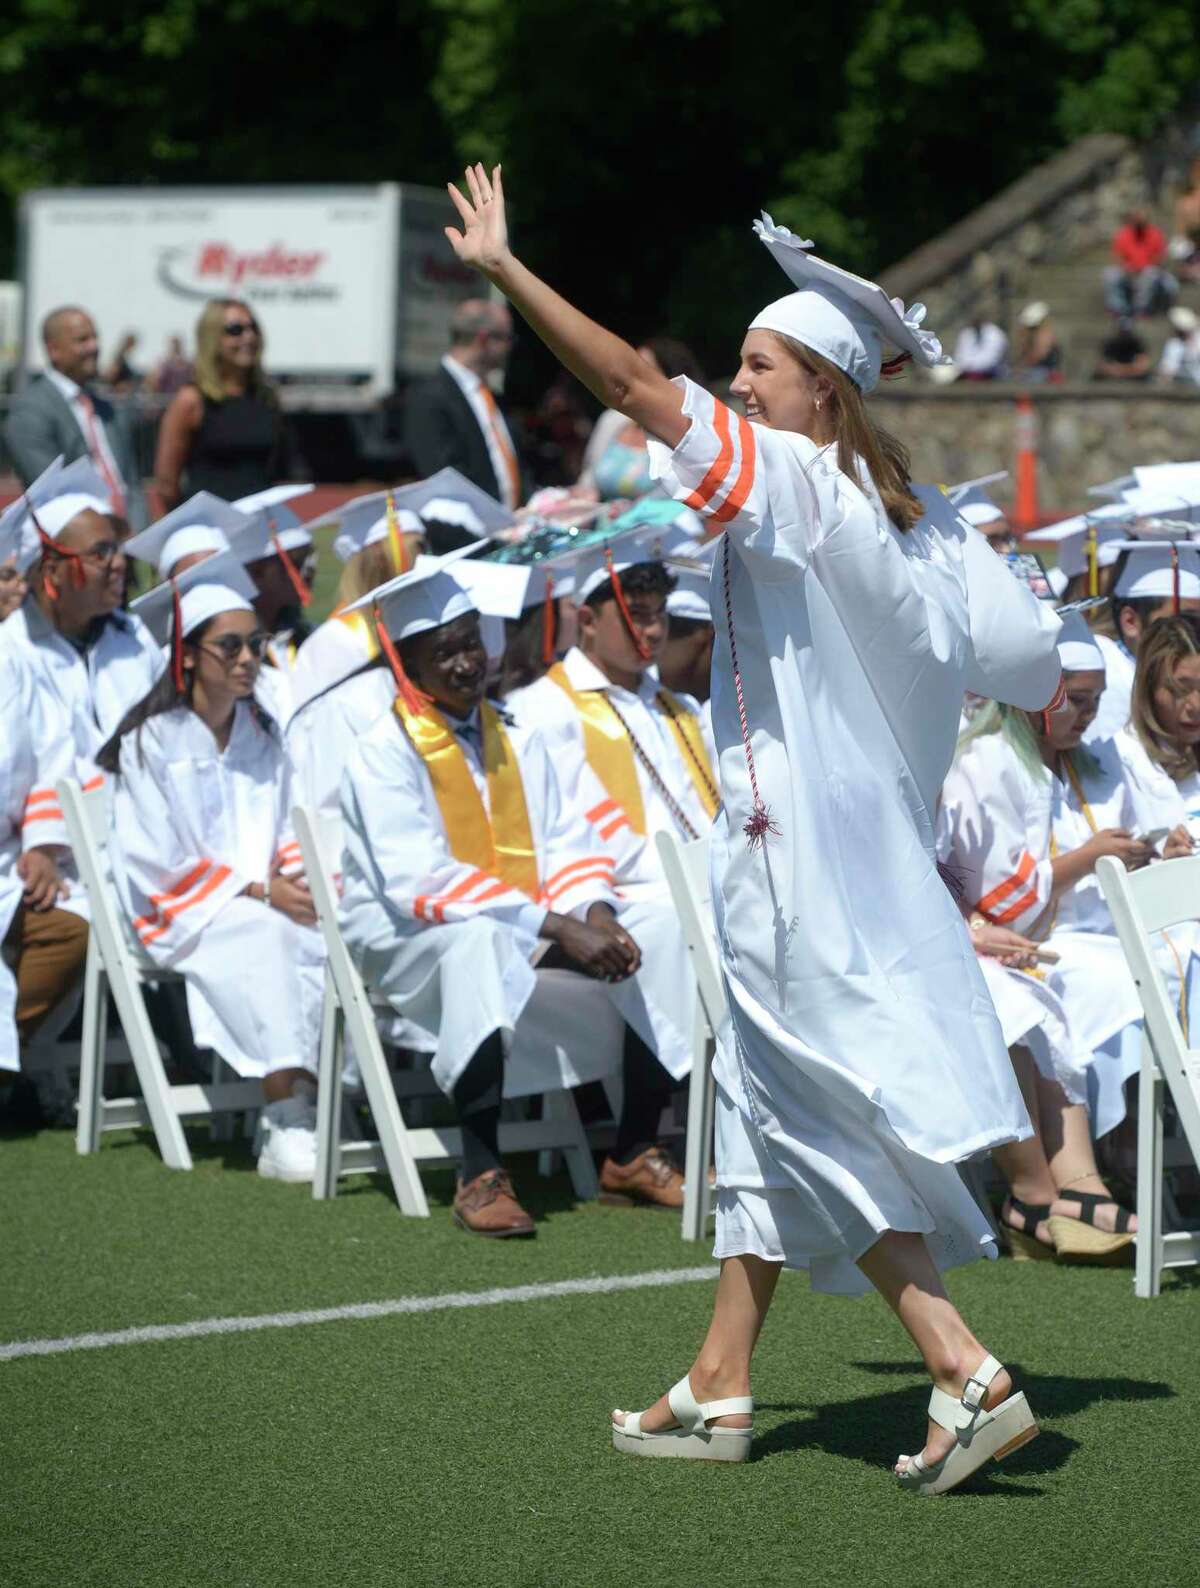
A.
x: 686, y: 869
x: 115, y: 961
x: 1142, y: 903
x: 399, y: 1150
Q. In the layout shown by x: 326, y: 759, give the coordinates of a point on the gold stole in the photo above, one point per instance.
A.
x: 363, y: 629
x: 502, y: 844
x: 610, y: 754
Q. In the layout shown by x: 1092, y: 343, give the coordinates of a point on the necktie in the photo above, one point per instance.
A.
x: 99, y: 456
x: 507, y: 455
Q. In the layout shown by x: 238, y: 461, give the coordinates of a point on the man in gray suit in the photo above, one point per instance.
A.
x: 58, y: 412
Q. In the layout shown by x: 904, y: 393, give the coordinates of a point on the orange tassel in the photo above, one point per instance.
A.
x: 303, y: 593
x: 548, y: 623
x: 1175, y: 601
x: 415, y: 700
x: 643, y: 649
x: 177, y: 639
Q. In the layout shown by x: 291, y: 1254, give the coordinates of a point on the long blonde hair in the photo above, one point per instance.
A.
x: 857, y: 436
x: 1166, y: 641
x: 208, y: 353
x: 373, y: 566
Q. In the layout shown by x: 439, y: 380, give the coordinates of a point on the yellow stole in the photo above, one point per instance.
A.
x: 361, y: 626
x: 502, y: 844
x: 610, y: 754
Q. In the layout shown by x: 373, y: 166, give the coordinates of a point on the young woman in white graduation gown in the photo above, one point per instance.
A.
x: 205, y: 861
x: 1160, y: 748
x: 1031, y: 809
x: 864, y: 1058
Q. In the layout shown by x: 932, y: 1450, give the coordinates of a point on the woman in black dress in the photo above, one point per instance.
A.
x: 224, y: 431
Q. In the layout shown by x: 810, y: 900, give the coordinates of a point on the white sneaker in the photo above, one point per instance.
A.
x: 289, y: 1132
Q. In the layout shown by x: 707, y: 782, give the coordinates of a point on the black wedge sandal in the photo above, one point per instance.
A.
x: 1023, y: 1244
x: 1078, y: 1240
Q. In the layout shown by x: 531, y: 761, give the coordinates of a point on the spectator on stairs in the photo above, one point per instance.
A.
x: 1123, y: 355
x: 1137, y: 283
x: 1039, y: 353
x: 981, y: 350
x: 1180, y: 361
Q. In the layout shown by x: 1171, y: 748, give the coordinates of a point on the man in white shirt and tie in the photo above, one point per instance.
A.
x: 455, y: 418
x: 58, y: 414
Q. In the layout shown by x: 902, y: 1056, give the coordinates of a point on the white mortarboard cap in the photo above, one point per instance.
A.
x: 284, y: 521
x: 363, y: 522
x: 560, y: 579
x: 1070, y: 535
x: 448, y: 485
x: 423, y: 598
x: 204, y: 522
x: 966, y: 489
x: 257, y: 536
x: 1181, y: 504
x: 57, y: 496
x: 18, y: 538
x: 219, y: 584
x: 844, y: 318
x: 496, y: 588
x: 1167, y: 476
x: 445, y: 510
x: 691, y: 597
x: 979, y: 510
x: 1149, y: 573
x: 593, y: 567
x: 1077, y: 648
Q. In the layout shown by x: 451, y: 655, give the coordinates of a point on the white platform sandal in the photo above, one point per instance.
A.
x: 691, y: 1440
x: 981, y: 1435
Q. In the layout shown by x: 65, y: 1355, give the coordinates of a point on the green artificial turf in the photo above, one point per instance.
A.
x: 471, y: 1447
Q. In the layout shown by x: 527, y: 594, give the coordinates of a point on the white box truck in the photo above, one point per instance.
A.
x: 352, y: 285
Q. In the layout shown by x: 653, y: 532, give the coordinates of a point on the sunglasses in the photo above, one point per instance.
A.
x: 240, y: 328
x: 229, y: 647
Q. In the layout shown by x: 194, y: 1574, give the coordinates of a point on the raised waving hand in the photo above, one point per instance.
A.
x: 483, y: 241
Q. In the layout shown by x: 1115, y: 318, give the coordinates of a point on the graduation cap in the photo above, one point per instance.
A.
x: 177, y: 607
x: 1086, y: 542
x: 448, y: 497
x: 204, y: 524
x: 262, y: 534
x: 847, y: 320
x: 285, y: 521
x: 1077, y: 648
x: 366, y: 521
x: 969, y: 495
x: 1159, y: 570
x: 424, y: 598
x: 19, y: 541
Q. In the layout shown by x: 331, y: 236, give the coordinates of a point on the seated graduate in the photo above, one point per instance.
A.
x: 1030, y: 811
x: 1160, y: 749
x: 1152, y: 579
x: 204, y: 859
x: 375, y: 540
x: 202, y: 527
x: 464, y: 860
x: 279, y: 555
x: 604, y: 705
x: 43, y: 945
x: 323, y: 733
x: 685, y: 665
x: 88, y: 659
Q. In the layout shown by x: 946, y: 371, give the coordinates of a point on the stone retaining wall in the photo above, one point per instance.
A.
x: 1086, y: 434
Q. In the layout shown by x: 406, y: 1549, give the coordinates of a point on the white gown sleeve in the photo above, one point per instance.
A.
x: 990, y: 841
x: 173, y: 889
x: 400, y: 856
x: 577, y: 867
x: 43, y: 825
x: 1013, y: 634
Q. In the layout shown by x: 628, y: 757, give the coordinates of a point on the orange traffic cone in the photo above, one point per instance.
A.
x: 1025, y: 508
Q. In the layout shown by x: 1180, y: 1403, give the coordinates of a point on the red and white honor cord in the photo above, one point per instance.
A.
x: 759, y: 824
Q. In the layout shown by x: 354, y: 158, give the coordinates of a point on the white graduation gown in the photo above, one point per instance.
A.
x: 450, y: 946
x: 1001, y: 818
x: 331, y: 653
x: 543, y: 705
x: 192, y: 827
x: 866, y: 1058
x: 1159, y: 801
x: 85, y: 695
x: 323, y: 734
x: 1113, y: 714
x: 31, y: 762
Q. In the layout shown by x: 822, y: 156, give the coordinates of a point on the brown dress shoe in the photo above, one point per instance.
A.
x: 653, y: 1177
x: 487, y: 1206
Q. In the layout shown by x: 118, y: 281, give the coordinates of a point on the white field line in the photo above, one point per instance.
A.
x: 152, y: 1333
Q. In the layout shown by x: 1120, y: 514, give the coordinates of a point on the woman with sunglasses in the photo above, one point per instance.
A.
x: 204, y: 858
x: 224, y: 431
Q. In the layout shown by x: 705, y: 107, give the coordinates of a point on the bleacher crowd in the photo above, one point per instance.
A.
x: 503, y: 712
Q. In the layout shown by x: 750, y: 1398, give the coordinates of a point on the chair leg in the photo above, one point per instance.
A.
x: 1148, y: 1268
x: 559, y: 1105
x: 329, y: 1094
x: 385, y: 1108
x: 91, y: 1054
x: 698, y: 1143
x: 223, y: 1126
x: 147, y: 1062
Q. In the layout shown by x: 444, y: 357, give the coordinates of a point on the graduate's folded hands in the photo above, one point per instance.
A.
x: 43, y: 885
x: 598, y: 946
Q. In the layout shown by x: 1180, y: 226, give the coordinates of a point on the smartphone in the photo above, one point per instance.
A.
x: 1031, y: 571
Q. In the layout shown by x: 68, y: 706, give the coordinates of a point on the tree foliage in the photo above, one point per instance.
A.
x: 639, y: 137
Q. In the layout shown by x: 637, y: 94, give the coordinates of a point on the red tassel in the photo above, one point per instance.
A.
x: 78, y: 575
x: 760, y: 825
x: 643, y: 649
x: 303, y: 593
x: 177, y: 639
x: 548, y: 623
x: 1175, y: 601
x: 891, y: 367
x: 415, y: 700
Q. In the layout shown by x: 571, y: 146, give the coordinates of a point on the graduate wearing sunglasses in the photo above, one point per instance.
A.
x: 204, y: 858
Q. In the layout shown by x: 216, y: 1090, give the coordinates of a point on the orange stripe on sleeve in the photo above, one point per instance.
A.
x: 436, y: 902
x: 168, y: 915
x: 52, y: 815
x: 40, y: 796
x: 603, y: 809
x: 1018, y: 909
x: 1010, y: 885
x: 736, y: 500
x: 599, y: 874
x: 94, y: 783
x: 577, y: 865
x: 180, y: 888
x: 712, y: 481
x: 615, y: 826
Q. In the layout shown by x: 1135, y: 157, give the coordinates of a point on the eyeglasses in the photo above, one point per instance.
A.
x: 240, y: 328
x: 102, y: 553
x: 229, y: 647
